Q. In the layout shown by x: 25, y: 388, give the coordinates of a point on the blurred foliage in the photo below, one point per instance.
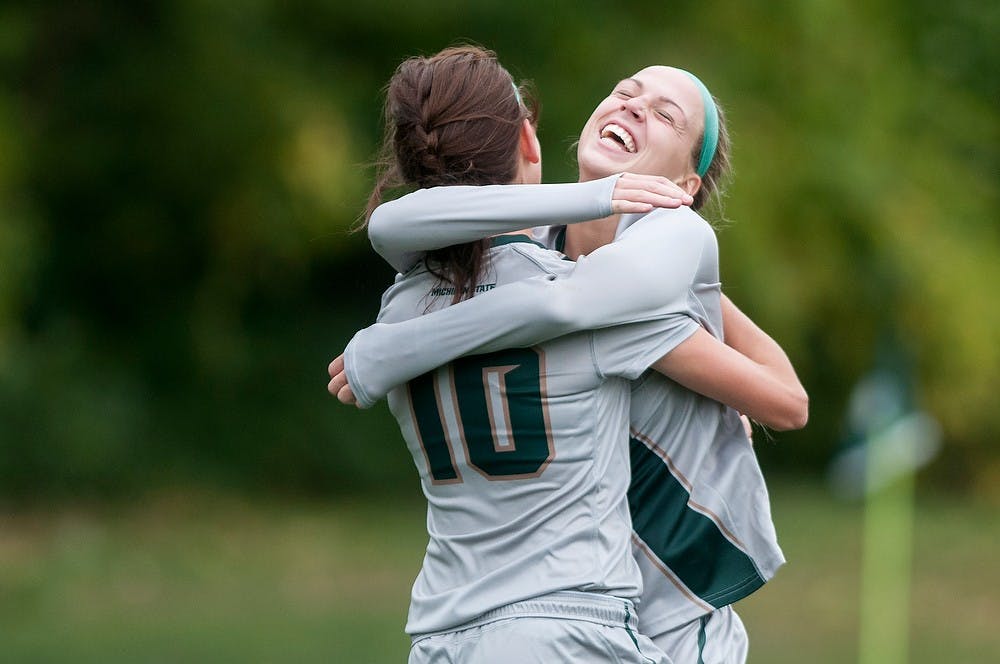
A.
x: 199, y: 578
x: 177, y: 181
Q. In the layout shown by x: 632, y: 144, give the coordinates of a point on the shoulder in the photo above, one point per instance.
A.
x: 680, y: 232
x: 682, y: 221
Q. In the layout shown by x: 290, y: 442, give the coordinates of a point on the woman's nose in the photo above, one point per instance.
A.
x: 636, y: 106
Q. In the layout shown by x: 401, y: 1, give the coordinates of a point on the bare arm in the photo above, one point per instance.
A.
x: 750, y: 372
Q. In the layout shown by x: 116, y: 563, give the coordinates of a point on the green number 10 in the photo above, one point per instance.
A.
x: 502, y: 416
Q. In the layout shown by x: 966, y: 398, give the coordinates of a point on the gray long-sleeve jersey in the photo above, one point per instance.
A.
x: 522, y: 454
x: 699, y: 504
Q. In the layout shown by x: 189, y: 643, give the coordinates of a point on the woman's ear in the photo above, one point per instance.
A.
x: 690, y: 183
x: 531, y: 150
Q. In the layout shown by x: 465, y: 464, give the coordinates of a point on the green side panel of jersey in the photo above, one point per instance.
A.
x: 503, y: 389
x: 431, y: 430
x: 687, y: 541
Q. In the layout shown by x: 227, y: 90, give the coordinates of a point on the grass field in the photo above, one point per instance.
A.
x: 191, y: 577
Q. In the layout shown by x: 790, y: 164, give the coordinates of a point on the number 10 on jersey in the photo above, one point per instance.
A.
x: 491, y: 407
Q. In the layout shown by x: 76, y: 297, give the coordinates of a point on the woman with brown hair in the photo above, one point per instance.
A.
x: 699, y: 505
x: 522, y: 453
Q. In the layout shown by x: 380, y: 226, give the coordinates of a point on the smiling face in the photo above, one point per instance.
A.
x: 648, y: 125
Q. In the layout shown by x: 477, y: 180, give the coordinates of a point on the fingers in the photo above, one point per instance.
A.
x: 337, y: 366
x: 346, y: 396
x: 641, y: 193
x: 637, y: 201
x: 338, y: 386
x: 651, y: 188
x: 650, y: 182
x: 337, y: 383
x: 631, y: 207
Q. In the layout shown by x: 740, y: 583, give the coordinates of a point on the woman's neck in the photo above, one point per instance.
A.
x: 583, y: 238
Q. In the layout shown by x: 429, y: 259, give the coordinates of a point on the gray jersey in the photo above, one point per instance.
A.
x: 522, y: 454
x: 699, y: 503
x: 704, y: 535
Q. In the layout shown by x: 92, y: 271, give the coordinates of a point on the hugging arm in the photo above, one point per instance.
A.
x: 623, y: 282
x: 789, y: 406
x: 761, y: 384
x: 750, y: 372
x: 402, y: 229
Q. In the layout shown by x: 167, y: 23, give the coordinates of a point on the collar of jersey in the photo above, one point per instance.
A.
x: 561, y: 240
x: 500, y: 240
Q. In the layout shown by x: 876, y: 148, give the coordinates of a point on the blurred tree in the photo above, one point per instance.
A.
x: 177, y: 180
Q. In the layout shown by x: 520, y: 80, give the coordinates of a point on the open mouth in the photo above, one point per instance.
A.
x: 619, y: 135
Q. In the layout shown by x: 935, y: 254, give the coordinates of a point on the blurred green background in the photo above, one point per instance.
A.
x: 177, y: 184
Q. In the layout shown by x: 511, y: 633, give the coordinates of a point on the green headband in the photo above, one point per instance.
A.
x: 517, y: 94
x: 711, y: 139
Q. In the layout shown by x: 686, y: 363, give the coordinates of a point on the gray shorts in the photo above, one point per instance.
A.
x: 715, y: 638
x: 558, y: 627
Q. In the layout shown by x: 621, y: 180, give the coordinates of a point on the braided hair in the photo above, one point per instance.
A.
x: 452, y: 118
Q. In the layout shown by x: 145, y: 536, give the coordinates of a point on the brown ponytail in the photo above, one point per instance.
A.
x: 452, y: 118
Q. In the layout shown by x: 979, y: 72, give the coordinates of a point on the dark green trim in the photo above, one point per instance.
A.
x: 702, y: 638
x: 688, y: 542
x: 500, y: 240
x: 561, y: 240
x: 629, y: 629
x: 631, y: 635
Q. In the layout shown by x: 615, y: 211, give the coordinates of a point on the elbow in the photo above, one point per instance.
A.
x: 795, y: 413
x: 560, y: 309
x: 391, y: 229
x: 377, y: 229
x: 552, y: 306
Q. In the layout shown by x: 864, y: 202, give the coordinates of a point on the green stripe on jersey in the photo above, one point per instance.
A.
x: 500, y: 240
x: 688, y: 542
x: 702, y: 639
x: 430, y: 429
